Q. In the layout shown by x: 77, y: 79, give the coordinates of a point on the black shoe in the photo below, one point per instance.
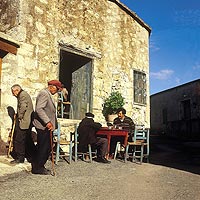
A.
x: 17, y: 161
x: 103, y: 160
x: 41, y: 171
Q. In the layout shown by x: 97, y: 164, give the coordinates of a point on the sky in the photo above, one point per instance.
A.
x: 174, y: 40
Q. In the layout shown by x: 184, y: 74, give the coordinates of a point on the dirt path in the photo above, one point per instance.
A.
x: 163, y: 179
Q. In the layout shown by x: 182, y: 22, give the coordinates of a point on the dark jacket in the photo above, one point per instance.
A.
x: 87, y: 132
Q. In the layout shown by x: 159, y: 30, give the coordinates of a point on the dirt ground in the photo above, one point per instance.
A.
x: 172, y: 174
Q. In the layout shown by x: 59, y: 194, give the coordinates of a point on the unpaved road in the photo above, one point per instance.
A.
x: 170, y: 175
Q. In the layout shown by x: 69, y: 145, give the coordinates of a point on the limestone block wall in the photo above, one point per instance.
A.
x: 100, y: 27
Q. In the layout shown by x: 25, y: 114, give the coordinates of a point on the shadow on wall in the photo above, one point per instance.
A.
x: 3, y: 144
x: 3, y: 149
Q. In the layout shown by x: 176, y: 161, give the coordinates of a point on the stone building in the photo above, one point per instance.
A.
x: 176, y: 111
x: 93, y: 47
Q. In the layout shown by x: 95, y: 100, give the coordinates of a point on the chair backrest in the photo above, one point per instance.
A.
x: 141, y: 134
x: 60, y: 97
x: 56, y: 132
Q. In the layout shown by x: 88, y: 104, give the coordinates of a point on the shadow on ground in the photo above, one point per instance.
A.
x: 176, y: 154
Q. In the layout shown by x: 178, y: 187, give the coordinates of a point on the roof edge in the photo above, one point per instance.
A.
x: 6, y: 38
x: 132, y: 14
x: 178, y: 86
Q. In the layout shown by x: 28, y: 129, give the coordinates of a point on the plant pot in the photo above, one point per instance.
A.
x: 110, y: 118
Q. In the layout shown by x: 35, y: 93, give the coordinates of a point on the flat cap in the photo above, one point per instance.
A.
x: 89, y: 115
x: 56, y: 83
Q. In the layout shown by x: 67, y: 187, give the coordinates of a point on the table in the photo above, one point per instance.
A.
x: 113, y: 132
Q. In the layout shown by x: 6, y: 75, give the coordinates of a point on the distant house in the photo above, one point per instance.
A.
x: 176, y: 111
x: 93, y: 46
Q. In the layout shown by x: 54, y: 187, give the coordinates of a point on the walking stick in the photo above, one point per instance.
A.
x: 11, y: 137
x: 53, y: 173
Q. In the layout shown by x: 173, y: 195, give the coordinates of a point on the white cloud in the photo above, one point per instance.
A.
x: 196, y: 66
x: 153, y: 46
x: 187, y: 17
x: 162, y: 74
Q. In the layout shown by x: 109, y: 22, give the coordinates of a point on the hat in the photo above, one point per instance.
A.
x: 89, y: 115
x: 56, y: 83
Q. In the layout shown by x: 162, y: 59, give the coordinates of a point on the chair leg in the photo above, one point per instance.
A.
x: 147, y: 153
x: 141, y: 153
x: 90, y: 152
x: 134, y: 154
x: 57, y: 152
x: 76, y: 143
x: 116, y: 149
x: 70, y: 152
x: 126, y: 153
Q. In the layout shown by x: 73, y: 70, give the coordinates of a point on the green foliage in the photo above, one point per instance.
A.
x: 112, y: 103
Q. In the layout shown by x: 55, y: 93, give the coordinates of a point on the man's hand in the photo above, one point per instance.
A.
x: 49, y: 126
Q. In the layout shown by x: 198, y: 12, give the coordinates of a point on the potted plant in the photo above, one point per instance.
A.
x: 112, y: 103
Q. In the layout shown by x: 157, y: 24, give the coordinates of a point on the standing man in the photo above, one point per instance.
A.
x: 87, y: 135
x: 23, y: 123
x: 45, y: 121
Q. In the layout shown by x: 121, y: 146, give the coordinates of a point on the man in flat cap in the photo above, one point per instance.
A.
x: 87, y: 135
x: 44, y: 122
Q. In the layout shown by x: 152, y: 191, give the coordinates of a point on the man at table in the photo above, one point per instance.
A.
x: 87, y: 135
x: 126, y: 123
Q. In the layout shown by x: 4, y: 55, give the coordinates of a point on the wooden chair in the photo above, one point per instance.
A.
x: 59, y: 152
x: 62, y: 103
x: 140, y: 145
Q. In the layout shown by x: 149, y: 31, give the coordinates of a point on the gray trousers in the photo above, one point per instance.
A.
x: 102, y: 147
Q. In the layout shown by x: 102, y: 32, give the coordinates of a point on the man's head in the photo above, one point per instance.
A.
x: 54, y: 86
x: 15, y: 89
x: 89, y: 115
x: 121, y: 113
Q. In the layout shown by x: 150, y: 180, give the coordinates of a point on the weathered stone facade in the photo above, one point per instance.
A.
x: 112, y: 36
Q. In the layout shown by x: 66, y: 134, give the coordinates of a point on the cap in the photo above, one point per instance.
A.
x: 89, y: 115
x: 56, y: 83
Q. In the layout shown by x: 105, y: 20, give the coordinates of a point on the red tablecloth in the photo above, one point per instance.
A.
x: 113, y: 132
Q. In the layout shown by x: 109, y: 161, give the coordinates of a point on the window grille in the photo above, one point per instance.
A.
x: 140, y: 85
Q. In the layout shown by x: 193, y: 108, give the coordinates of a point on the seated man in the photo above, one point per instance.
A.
x: 87, y: 135
x: 126, y: 123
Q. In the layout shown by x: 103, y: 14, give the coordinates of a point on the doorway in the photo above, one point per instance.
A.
x: 75, y: 72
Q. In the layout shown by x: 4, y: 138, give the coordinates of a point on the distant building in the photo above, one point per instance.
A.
x: 176, y: 111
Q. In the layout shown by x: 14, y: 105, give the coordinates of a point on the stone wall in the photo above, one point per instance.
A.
x: 102, y: 28
x: 171, y: 116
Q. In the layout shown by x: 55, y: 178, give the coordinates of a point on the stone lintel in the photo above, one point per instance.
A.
x: 79, y: 51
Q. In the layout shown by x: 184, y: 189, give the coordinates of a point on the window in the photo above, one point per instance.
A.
x: 139, y: 85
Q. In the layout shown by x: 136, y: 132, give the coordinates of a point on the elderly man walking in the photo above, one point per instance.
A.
x: 45, y: 121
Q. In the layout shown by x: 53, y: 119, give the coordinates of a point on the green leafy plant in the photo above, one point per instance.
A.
x: 112, y: 103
